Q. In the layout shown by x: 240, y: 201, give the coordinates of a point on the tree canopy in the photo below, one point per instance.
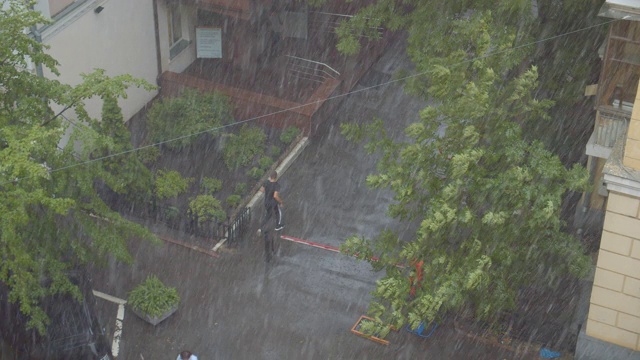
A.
x: 52, y: 219
x: 486, y: 199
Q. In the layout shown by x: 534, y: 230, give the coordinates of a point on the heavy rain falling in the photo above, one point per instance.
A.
x: 284, y: 179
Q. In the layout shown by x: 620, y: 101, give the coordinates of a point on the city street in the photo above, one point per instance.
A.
x: 304, y: 302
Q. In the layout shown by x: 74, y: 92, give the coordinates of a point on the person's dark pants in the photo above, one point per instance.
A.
x: 269, y: 244
x: 272, y: 211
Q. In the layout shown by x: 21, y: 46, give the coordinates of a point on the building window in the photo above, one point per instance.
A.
x: 177, y: 42
x: 56, y: 6
x: 60, y: 8
x: 175, y: 24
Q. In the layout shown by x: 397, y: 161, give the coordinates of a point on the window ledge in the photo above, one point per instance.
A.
x: 178, y: 47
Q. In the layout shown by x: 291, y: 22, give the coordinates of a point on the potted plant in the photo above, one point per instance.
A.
x: 153, y: 301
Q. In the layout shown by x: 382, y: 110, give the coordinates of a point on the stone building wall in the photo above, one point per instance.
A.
x: 614, y: 314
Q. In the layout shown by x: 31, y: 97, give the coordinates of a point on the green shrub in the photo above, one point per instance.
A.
x: 190, y: 113
x: 210, y: 185
x: 255, y: 173
x: 126, y: 175
x: 206, y: 207
x: 170, y: 184
x: 149, y: 154
x: 171, y: 213
x: 152, y: 297
x: 241, y: 188
x: 289, y: 134
x: 274, y: 151
x: 241, y: 149
x: 234, y: 200
x: 265, y: 162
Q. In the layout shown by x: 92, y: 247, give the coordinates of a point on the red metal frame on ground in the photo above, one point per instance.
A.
x: 370, y: 337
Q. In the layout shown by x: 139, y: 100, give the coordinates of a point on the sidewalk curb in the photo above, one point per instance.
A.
x: 281, y: 168
x: 284, y: 165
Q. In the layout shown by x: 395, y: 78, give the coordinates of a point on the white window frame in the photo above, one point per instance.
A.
x: 65, y: 17
x: 64, y: 11
x: 69, y: 3
x: 174, y: 14
x: 176, y: 29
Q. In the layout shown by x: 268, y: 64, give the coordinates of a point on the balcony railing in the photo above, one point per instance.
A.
x: 309, y: 69
x: 611, y: 122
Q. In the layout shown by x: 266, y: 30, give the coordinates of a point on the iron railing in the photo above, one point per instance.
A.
x: 184, y: 220
x: 309, y: 69
x: 238, y: 226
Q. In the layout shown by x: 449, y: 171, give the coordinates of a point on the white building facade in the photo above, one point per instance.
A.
x: 142, y: 38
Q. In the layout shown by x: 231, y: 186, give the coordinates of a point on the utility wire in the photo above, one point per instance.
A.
x: 489, y: 54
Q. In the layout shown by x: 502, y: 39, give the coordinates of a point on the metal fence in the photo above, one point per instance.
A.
x: 184, y: 220
x: 170, y: 216
x: 237, y: 226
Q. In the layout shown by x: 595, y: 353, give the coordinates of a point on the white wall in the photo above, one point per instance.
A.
x: 120, y: 39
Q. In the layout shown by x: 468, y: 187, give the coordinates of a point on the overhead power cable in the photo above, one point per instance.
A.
x: 489, y: 54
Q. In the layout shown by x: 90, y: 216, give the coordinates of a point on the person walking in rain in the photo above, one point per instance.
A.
x: 272, y: 202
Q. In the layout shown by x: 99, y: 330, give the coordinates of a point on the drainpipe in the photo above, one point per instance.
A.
x: 39, y: 73
x: 38, y: 37
x: 156, y: 29
x: 592, y: 178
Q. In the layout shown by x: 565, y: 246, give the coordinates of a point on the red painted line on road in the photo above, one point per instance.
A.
x: 310, y: 243
x: 317, y: 245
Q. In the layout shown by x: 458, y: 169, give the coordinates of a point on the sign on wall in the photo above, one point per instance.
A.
x: 209, y: 42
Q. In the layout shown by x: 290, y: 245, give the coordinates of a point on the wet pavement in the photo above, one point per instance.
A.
x: 304, y: 302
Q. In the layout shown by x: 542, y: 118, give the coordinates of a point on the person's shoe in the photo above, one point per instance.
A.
x: 279, y: 227
x: 259, y: 231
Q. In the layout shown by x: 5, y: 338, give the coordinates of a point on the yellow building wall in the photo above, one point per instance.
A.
x: 632, y: 146
x: 614, y: 313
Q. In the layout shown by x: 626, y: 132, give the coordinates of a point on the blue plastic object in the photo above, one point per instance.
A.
x: 549, y: 354
x: 420, y: 331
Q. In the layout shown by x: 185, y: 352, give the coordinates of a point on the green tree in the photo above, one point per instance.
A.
x: 192, y: 112
x: 429, y: 22
x: 52, y: 218
x: 567, y: 59
x: 568, y: 63
x: 126, y: 173
x: 487, y: 201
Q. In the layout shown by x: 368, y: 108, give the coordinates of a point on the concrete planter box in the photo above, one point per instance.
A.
x: 152, y: 295
x: 157, y: 319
